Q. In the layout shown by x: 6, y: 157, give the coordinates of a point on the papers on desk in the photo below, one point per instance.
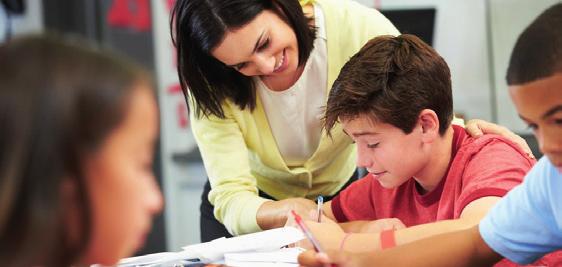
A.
x: 285, y: 257
x: 162, y: 259
x: 266, y: 241
x: 258, y: 249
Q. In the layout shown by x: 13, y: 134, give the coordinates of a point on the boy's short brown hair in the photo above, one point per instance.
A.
x: 392, y: 79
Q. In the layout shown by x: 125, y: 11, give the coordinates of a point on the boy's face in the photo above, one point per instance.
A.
x: 390, y: 155
x: 539, y: 104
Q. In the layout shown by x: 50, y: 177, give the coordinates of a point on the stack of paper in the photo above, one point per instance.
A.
x: 285, y: 257
x: 257, y: 249
x: 181, y: 258
x: 266, y: 241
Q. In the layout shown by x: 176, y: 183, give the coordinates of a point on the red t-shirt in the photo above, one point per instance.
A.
x: 486, y: 166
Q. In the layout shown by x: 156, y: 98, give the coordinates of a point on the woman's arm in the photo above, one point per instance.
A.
x: 234, y: 193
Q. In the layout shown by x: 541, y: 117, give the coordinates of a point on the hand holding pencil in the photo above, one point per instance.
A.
x: 328, y: 233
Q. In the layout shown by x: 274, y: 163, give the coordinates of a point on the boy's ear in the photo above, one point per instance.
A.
x: 429, y: 123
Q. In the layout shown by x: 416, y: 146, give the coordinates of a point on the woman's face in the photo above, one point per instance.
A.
x: 266, y: 47
x: 121, y: 186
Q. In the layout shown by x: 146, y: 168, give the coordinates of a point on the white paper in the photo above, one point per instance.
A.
x: 261, y: 264
x: 156, y: 258
x: 269, y: 240
x: 281, y: 256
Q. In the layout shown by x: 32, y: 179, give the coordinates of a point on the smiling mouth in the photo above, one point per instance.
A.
x: 378, y: 173
x: 279, y: 65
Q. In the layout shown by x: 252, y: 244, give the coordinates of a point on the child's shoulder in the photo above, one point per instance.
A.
x: 492, y: 146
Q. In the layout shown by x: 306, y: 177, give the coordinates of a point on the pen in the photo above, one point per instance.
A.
x: 319, y: 202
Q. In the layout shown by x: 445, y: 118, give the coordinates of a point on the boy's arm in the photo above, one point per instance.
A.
x: 460, y: 248
x: 471, y: 216
x: 375, y: 226
x: 359, y: 226
x: 353, y: 227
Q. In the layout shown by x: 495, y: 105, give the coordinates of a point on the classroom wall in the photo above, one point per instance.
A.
x: 29, y: 22
x: 182, y: 169
x: 506, y: 24
x: 460, y: 38
x: 476, y: 38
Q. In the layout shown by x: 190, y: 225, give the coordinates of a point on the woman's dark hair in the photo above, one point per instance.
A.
x: 58, y: 101
x: 538, y: 51
x: 198, y: 26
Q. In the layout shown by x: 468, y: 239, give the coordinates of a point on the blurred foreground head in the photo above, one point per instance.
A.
x: 77, y: 126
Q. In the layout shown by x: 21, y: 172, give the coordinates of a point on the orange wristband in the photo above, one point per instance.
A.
x: 387, y: 239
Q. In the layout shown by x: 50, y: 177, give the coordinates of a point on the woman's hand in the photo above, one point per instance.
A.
x: 273, y: 214
x: 477, y: 127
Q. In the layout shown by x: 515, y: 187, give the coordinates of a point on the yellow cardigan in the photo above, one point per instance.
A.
x: 240, y: 153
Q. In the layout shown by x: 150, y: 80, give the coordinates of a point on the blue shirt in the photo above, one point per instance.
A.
x: 527, y: 222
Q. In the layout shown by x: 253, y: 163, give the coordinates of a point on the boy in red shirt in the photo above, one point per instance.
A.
x: 525, y: 224
x: 394, y: 100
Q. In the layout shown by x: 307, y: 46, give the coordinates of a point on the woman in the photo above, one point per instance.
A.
x: 256, y: 74
x: 76, y: 145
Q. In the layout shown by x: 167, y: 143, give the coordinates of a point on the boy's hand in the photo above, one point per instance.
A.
x: 310, y: 258
x: 378, y: 226
x: 476, y: 128
x: 328, y: 233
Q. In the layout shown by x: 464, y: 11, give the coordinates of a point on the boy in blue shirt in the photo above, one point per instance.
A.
x: 527, y: 223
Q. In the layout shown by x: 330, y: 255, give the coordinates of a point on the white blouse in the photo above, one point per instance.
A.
x: 295, y: 114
